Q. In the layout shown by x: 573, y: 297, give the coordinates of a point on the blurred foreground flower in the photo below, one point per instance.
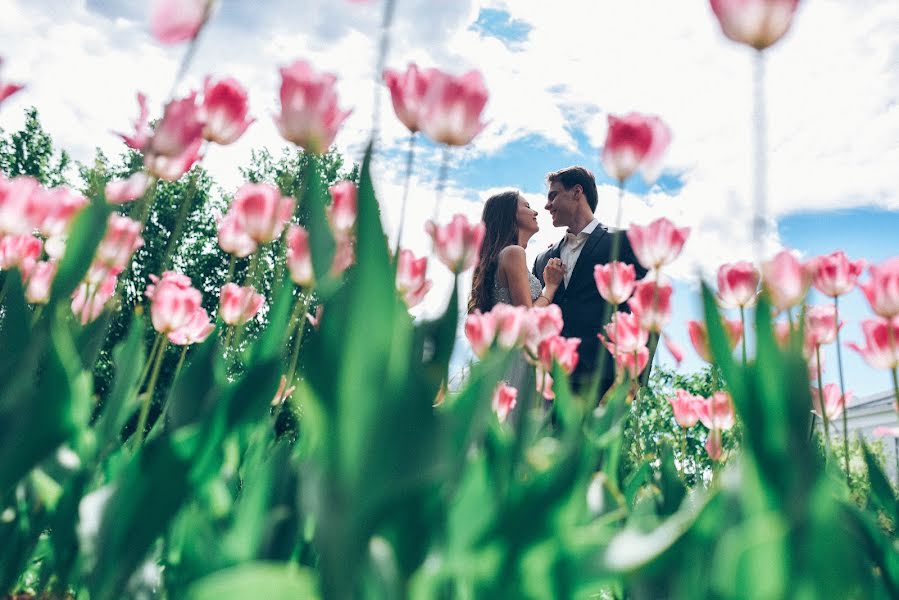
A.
x: 261, y: 211
x: 615, y: 281
x: 657, y: 244
x: 821, y: 325
x: 411, y: 282
x: 194, y: 331
x: 407, y: 92
x: 480, y: 329
x: 173, y: 301
x: 786, y: 280
x: 239, y: 304
x: 7, y: 89
x: 651, y: 303
x: 309, y: 114
x: 699, y: 336
x: 881, y: 349
x: 451, y: 109
x: 635, y: 142
x: 343, y: 208
x: 738, y: 284
x: 834, y: 402
x: 299, y: 258
x: 174, y: 21
x: 224, y: 111
x: 834, y: 274
x: 504, y: 401
x: 457, y: 243
x: 40, y: 282
x: 685, y: 407
x: 756, y: 23
x: 126, y: 190
x: 882, y: 290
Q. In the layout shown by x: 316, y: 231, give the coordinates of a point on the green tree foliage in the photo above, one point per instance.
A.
x: 30, y: 152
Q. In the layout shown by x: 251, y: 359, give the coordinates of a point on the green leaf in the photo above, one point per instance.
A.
x: 272, y: 581
x: 321, y: 242
x: 673, y: 488
x: 15, y: 330
x: 882, y: 494
x: 122, y: 400
x: 84, y: 237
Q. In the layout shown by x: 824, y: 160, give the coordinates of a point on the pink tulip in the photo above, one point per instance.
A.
x: 813, y: 359
x: 342, y: 212
x: 561, y: 350
x: 676, y: 351
x: 786, y: 280
x: 457, y: 243
x: 142, y: 131
x: 834, y: 403
x: 171, y: 168
x: 20, y: 213
x: 756, y: 23
x: 195, y: 331
x: 239, y: 304
x: 651, y: 303
x: 615, y: 281
x: 261, y: 211
x: 20, y: 252
x: 224, y: 111
x: 119, y: 243
x: 738, y: 284
x: 504, y: 400
x: 410, y: 278
x: 635, y: 142
x: 821, y: 325
x: 173, y: 301
x: 309, y: 115
x: 344, y: 253
x: 545, y: 321
x: 89, y: 299
x: 40, y: 282
x: 882, y: 290
x: 233, y: 239
x: 407, y: 91
x: 180, y: 127
x: 634, y: 362
x: 684, y: 405
x: 7, y: 89
x: 699, y: 336
x: 714, y: 445
x: 480, y: 329
x: 451, y: 108
x: 316, y: 319
x: 126, y: 190
x: 624, y: 334
x: 886, y: 431
x: 881, y: 349
x: 657, y: 244
x: 55, y: 209
x: 513, y: 325
x: 175, y: 21
x: 545, y: 385
x: 834, y: 275
x: 717, y: 411
x: 299, y: 258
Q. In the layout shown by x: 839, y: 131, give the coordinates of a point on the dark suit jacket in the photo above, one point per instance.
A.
x: 583, y: 309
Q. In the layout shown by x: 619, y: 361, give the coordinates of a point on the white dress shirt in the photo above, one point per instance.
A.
x: 572, y: 246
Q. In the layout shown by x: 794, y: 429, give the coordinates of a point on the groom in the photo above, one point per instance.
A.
x: 571, y: 202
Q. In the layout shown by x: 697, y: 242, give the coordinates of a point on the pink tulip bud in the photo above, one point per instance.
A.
x: 224, y: 111
x: 786, y: 280
x: 821, y: 324
x: 89, y: 298
x: 344, y: 253
x: 834, y: 402
x: 175, y: 21
x: 410, y: 278
x: 545, y: 385
x: 480, y: 329
x: 180, y: 127
x: 624, y: 334
x: 299, y: 258
x: 239, y: 304
x: 657, y: 244
x: 561, y: 350
x: 342, y: 212
x: 261, y: 211
x: 451, y: 108
x: 635, y: 142
x: 171, y: 168
x: 717, y: 411
x: 194, y: 331
x: 142, y: 131
x: 738, y: 284
x: 127, y: 190
x: 19, y: 211
x: 457, y: 243
x: 676, y: 351
x: 407, y: 91
x: 7, y: 89
x: 881, y: 349
x: 309, y: 115
x: 882, y: 290
x: 685, y: 405
x: 756, y: 23
x: 699, y: 336
x: 513, y: 325
x: 173, y: 302
x: 20, y: 252
x: 504, y: 401
x: 615, y: 281
x: 233, y: 239
x: 651, y: 303
x: 713, y: 445
x: 834, y: 275
x: 122, y: 238
x: 40, y: 281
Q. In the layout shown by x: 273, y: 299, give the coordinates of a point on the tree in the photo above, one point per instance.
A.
x: 30, y: 152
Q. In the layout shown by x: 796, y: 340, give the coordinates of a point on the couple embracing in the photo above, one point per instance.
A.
x: 563, y: 274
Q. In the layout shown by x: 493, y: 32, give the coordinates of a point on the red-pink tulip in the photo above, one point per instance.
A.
x: 834, y: 402
x: 232, y: 238
x: 173, y: 301
x: 881, y: 349
x: 126, y: 190
x: 676, y: 351
x: 834, y: 274
x: 561, y: 350
x: 309, y: 115
x: 480, y: 329
x: 786, y: 279
x: 407, y: 91
x: 684, y: 405
x: 261, y: 211
x: 122, y: 238
x: 699, y: 336
x: 882, y: 290
x: 171, y: 168
x: 717, y: 411
x: 299, y: 257
x: 20, y: 252
x: 615, y: 281
x: 545, y: 384
x: 457, y: 243
x: 196, y: 330
x: 635, y: 142
x: 175, y: 21
x: 737, y: 284
x: 657, y: 244
x: 224, y: 111
x: 19, y: 211
x: 89, y: 298
x: 651, y: 303
x: 633, y: 363
x: 7, y: 89
x: 624, y: 334
x: 180, y: 127
x: 410, y: 278
x: 821, y: 324
x: 344, y: 253
x: 40, y: 281
x: 342, y: 212
x: 142, y: 131
x: 451, y: 109
x: 714, y: 445
x: 513, y: 325
x: 756, y: 23
x: 237, y: 304
x: 504, y: 400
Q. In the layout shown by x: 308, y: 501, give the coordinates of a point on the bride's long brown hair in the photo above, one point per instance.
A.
x: 501, y: 223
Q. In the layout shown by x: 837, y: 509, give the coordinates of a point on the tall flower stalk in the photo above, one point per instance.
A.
x: 759, y: 221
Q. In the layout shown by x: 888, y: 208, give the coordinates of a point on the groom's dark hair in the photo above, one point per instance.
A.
x: 572, y: 176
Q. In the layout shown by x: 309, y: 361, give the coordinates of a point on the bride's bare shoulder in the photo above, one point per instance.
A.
x: 511, y: 254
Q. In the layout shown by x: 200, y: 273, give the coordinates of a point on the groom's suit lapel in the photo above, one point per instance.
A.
x: 556, y: 252
x: 585, y: 261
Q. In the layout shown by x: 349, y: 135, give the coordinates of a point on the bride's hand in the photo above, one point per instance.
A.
x: 553, y: 272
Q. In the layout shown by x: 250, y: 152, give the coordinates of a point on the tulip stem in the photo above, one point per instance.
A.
x: 743, y: 336
x: 248, y: 280
x: 383, y: 48
x: 300, y: 193
x: 409, y: 160
x: 441, y: 183
x: 896, y: 385
x: 303, y: 305
x: 683, y: 449
x: 836, y: 310
x: 150, y: 358
x: 179, y: 222
x: 191, y: 49
x: 759, y: 223
x: 148, y: 395
x: 231, y: 264
x: 821, y: 405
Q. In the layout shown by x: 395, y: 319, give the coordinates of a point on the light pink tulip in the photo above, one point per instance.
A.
x: 55, y: 209
x: 634, y: 362
x: 886, y: 431
x: 786, y: 279
x: 309, y: 115
x: 545, y: 384
x: 834, y: 403
x: 119, y: 243
x: 20, y: 252
x: 685, y: 405
x: 299, y: 257
x: 676, y: 351
x: 699, y: 336
x: 342, y: 211
x: 142, y: 131
x: 738, y: 284
x: 559, y: 349
x: 714, y: 445
x: 344, y: 253
x: 410, y: 278
x: 882, y: 290
x: 657, y: 244
x: 171, y: 168
x: 624, y: 333
x: 195, y: 331
x: 233, y: 239
x: 513, y: 325
x: 261, y: 211
x: 173, y: 301
x: 504, y: 400
x: 239, y: 304
x: 89, y: 299
x: 175, y: 21
x: 20, y: 213
x: 451, y: 108
x: 834, y: 274
x: 756, y: 23
x: 480, y: 329
x: 717, y: 411
x: 545, y: 322
x: 821, y: 325
x: 7, y: 89
x: 224, y: 111
x: 180, y: 127
x: 635, y: 142
x: 651, y: 303
x: 457, y: 243
x: 881, y: 349
x: 407, y: 91
x: 40, y: 282
x: 615, y: 281
x: 127, y: 190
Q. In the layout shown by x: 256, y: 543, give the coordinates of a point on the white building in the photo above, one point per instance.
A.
x: 865, y: 415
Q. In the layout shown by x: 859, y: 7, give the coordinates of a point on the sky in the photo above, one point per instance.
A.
x: 555, y: 71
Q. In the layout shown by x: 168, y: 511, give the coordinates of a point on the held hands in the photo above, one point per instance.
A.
x: 553, y: 273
